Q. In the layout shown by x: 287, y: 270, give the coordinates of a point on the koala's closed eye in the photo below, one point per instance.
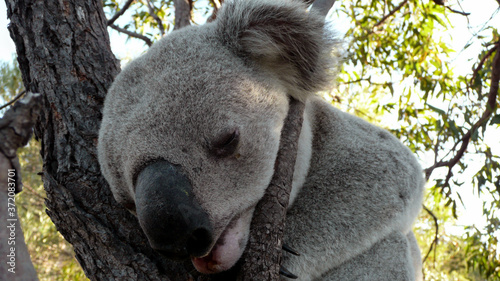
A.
x: 226, y: 144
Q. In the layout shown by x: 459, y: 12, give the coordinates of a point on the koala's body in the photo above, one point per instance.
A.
x: 190, y: 134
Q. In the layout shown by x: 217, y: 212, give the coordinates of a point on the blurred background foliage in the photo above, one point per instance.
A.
x: 404, y: 70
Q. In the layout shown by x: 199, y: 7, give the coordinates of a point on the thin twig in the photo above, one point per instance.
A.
x: 442, y: 3
x: 132, y: 34
x: 120, y: 12
x: 436, y: 234
x: 457, y: 12
x: 155, y: 16
x: 447, y: 181
x: 391, y: 13
x: 367, y: 80
x: 33, y: 191
x: 13, y: 100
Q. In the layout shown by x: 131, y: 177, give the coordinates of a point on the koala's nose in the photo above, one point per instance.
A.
x: 173, y: 220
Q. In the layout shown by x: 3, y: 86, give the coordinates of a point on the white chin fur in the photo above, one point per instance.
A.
x: 228, y: 248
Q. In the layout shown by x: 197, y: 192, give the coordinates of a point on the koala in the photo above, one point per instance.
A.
x: 190, y: 133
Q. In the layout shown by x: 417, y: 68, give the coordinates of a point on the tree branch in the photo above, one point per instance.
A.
x: 120, y: 12
x: 491, y: 106
x: 263, y: 256
x: 16, y: 126
x: 457, y: 12
x: 152, y: 9
x: 13, y: 100
x: 183, y: 13
x: 132, y: 34
x: 480, y: 65
x: 436, y: 234
x: 391, y: 13
x: 442, y: 3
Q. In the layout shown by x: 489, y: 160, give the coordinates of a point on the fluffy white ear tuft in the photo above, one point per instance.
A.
x: 282, y: 38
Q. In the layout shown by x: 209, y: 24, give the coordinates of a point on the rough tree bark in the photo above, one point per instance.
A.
x: 182, y: 13
x: 263, y: 254
x: 64, y: 53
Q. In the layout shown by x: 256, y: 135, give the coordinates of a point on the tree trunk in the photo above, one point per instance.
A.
x: 64, y: 53
x: 182, y: 13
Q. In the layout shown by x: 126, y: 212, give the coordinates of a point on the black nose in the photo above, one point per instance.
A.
x: 169, y: 214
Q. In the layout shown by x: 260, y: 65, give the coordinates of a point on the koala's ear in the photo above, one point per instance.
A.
x: 280, y: 37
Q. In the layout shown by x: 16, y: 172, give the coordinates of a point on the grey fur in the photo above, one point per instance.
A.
x: 283, y: 40
x: 365, y: 186
x: 357, y: 190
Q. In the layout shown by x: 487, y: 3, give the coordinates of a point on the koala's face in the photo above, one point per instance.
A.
x: 189, y: 140
x: 191, y: 129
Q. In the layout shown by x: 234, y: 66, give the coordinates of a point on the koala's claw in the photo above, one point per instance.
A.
x: 286, y: 273
x: 290, y: 250
x: 283, y: 270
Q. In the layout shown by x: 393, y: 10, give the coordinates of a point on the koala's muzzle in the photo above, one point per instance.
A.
x: 169, y: 214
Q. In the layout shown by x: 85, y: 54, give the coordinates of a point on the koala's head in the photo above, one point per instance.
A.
x: 191, y: 129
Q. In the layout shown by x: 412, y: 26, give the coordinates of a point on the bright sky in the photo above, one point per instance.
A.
x: 459, y: 37
x: 7, y: 48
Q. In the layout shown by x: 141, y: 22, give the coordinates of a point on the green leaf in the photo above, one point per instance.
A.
x: 495, y: 119
x: 435, y: 109
x: 454, y: 128
x: 475, y: 135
